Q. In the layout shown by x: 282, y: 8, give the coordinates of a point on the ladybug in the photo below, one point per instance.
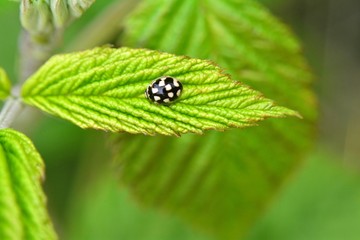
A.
x: 164, y: 90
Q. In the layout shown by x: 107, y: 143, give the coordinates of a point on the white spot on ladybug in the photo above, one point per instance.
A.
x: 170, y: 94
x: 178, y: 92
x: 154, y: 90
x: 156, y: 98
x: 168, y: 87
x: 161, y: 83
x: 176, y: 83
x: 166, y: 100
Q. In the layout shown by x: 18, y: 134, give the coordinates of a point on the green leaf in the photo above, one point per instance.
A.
x: 23, y: 213
x: 321, y: 203
x: 111, y: 214
x: 104, y: 89
x: 221, y: 183
x: 5, y: 84
x: 254, y: 47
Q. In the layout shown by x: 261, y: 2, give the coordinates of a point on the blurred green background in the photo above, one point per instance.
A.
x: 320, y: 201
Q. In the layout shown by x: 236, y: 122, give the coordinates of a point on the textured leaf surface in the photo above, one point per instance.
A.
x: 221, y: 182
x: 240, y: 35
x: 23, y: 214
x: 5, y: 84
x: 104, y: 89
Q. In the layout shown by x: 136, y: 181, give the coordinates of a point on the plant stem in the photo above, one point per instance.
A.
x: 32, y: 55
x: 11, y: 109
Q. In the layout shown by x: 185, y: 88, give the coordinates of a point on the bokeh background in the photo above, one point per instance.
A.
x: 320, y: 201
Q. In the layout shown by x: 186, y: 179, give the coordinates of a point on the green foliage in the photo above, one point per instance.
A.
x: 241, y: 36
x: 23, y: 213
x: 104, y: 88
x: 41, y: 17
x: 60, y: 12
x: 36, y: 17
x: 78, y: 7
x: 321, y: 203
x: 221, y: 182
x: 5, y: 84
x: 112, y: 214
x: 8, y: 47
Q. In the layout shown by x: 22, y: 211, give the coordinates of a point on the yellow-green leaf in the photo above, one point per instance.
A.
x: 5, y: 84
x: 221, y: 183
x: 23, y: 214
x: 103, y: 88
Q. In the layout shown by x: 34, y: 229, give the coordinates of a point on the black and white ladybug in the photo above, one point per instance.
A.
x: 164, y: 90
